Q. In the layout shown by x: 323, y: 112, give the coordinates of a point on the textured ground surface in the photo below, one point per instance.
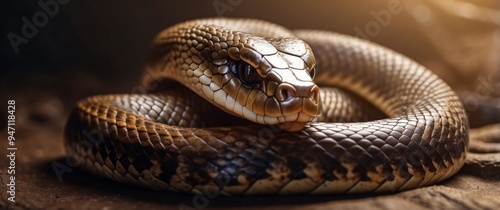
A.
x: 81, y: 50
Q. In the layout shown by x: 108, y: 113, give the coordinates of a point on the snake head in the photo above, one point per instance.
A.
x: 265, y: 80
x: 271, y: 82
x: 288, y: 68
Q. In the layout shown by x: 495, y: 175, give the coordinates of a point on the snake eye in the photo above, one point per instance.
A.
x: 246, y: 73
x: 312, y: 73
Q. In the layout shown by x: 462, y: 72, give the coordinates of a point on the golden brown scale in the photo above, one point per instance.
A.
x: 416, y: 132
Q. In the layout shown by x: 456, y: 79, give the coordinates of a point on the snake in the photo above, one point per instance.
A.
x: 240, y: 106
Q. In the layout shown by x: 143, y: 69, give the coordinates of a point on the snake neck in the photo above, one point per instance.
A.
x: 259, y: 74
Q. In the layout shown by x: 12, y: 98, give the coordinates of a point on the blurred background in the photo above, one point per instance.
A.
x: 55, y: 52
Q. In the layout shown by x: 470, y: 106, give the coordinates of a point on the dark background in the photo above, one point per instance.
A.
x: 98, y: 47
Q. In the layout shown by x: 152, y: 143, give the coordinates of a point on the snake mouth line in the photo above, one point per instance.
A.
x: 298, y: 119
x: 292, y: 123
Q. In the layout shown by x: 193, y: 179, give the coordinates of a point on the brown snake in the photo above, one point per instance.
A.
x: 171, y: 139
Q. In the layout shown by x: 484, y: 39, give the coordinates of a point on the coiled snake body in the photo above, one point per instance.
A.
x: 171, y: 139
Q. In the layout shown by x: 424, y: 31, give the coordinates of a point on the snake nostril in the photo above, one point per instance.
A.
x: 285, y: 92
x: 314, y: 94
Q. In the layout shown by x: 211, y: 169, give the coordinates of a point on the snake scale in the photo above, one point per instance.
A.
x: 372, y: 120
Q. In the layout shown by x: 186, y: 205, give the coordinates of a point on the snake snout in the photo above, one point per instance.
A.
x: 299, y: 102
x: 285, y: 92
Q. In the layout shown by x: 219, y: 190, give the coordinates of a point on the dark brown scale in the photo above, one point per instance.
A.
x: 387, y: 121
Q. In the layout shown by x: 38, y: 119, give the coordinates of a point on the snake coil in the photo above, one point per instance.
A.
x: 400, y: 126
